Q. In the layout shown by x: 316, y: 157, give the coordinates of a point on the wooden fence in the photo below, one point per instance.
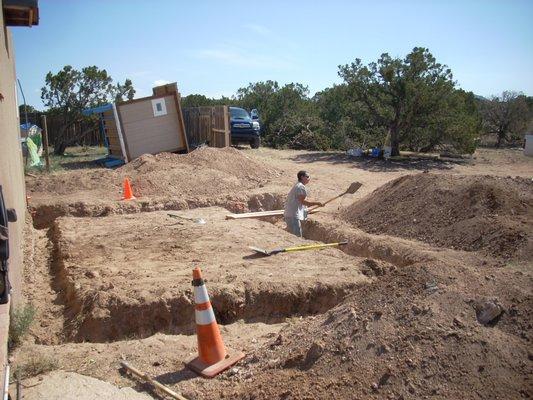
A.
x: 209, y: 125
x: 55, y: 125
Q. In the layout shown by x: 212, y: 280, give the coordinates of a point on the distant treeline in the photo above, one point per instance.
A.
x: 411, y: 103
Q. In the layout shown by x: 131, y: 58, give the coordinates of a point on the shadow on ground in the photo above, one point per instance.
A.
x: 74, y: 164
x: 376, y: 165
x: 172, y: 378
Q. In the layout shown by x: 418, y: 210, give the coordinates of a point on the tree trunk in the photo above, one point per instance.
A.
x: 59, y: 148
x: 501, y: 136
x: 61, y: 145
x: 394, y: 141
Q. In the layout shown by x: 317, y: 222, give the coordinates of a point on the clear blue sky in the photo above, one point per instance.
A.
x: 215, y: 47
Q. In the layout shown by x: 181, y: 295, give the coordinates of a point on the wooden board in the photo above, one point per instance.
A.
x: 259, y: 214
x: 112, y: 134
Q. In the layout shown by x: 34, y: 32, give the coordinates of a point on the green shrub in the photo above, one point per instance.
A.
x: 36, y: 365
x: 20, y: 322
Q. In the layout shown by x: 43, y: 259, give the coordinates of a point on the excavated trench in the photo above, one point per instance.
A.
x: 102, y: 317
x: 95, y: 312
x: 44, y: 215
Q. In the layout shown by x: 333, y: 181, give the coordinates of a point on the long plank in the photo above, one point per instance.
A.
x: 255, y: 214
x: 260, y: 214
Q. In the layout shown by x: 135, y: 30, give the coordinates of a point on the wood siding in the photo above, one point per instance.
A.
x: 110, y: 127
x: 144, y: 133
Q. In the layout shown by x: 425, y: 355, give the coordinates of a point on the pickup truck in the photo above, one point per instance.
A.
x: 245, y: 128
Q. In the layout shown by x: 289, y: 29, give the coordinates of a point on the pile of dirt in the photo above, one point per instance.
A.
x: 414, y: 333
x: 69, y: 182
x: 206, y: 171
x: 488, y: 213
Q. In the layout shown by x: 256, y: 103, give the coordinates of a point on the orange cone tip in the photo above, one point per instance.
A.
x: 128, y: 193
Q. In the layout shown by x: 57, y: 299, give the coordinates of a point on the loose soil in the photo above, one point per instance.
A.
x: 411, y: 334
x: 396, y: 313
x: 464, y: 212
x: 205, y: 172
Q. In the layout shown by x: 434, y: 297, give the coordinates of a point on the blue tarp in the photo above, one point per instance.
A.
x: 26, y: 126
x: 97, y: 110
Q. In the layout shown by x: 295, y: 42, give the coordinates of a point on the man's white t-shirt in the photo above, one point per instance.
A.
x: 293, y: 207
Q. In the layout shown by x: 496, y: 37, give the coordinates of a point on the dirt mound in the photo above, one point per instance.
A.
x: 462, y: 212
x: 414, y: 333
x: 79, y: 181
x: 203, y: 172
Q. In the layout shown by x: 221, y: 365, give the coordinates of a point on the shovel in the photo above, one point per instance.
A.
x: 199, y: 221
x: 296, y: 248
x: 354, y: 187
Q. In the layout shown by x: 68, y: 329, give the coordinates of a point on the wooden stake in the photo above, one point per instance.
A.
x: 151, y: 381
x: 45, y: 142
x: 227, y: 127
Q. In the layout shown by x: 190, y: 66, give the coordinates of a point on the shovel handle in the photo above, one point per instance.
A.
x: 314, y: 246
x: 326, y: 202
x: 153, y: 382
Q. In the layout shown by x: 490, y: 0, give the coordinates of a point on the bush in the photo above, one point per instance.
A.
x: 20, y: 322
x: 306, y: 140
x: 35, y: 365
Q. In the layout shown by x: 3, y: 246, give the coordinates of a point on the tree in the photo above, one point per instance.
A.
x: 70, y: 91
x: 28, y: 113
x: 410, y: 100
x: 199, y: 100
x: 289, y: 118
x: 29, y: 109
x: 195, y: 100
x: 344, y: 120
x: 124, y: 91
x: 507, y: 114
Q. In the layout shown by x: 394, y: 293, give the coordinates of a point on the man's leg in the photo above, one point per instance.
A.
x: 294, y: 226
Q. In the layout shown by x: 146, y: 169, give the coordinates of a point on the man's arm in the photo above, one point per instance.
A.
x: 302, y: 200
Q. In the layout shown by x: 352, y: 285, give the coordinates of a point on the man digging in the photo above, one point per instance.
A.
x: 295, y: 206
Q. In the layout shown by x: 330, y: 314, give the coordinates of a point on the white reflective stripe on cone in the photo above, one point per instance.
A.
x: 205, y: 317
x: 200, y: 294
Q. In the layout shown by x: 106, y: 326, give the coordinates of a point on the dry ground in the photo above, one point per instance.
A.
x: 391, y: 315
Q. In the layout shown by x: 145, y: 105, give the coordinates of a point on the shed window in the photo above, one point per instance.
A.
x: 159, y: 106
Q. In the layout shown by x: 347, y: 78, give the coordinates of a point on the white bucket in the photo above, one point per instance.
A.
x: 358, y: 152
x: 528, y: 147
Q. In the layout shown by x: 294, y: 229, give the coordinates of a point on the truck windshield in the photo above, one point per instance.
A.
x: 239, y: 113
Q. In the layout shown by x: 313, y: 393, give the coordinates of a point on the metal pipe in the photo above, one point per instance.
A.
x: 6, y: 383
x: 25, y: 111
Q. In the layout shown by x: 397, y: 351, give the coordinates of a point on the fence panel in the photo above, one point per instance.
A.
x: 55, y: 125
x: 208, y: 125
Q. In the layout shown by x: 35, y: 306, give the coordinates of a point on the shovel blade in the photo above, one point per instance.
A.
x: 354, y: 187
x: 260, y: 250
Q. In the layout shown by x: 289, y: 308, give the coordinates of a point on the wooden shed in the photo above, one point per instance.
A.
x: 151, y: 124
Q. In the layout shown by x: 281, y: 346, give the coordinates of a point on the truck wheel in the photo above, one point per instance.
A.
x: 255, y: 143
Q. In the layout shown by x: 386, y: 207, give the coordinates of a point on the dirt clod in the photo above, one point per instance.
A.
x: 313, y: 354
x: 488, y: 311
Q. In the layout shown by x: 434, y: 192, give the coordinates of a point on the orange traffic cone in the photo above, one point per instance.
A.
x: 128, y: 193
x: 213, y: 357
